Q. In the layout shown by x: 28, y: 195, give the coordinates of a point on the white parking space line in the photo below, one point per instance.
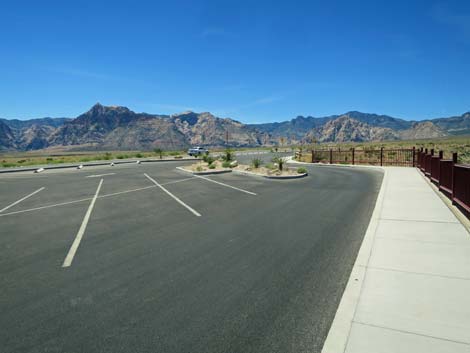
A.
x: 44, y: 207
x: 90, y: 198
x: 99, y: 175
x: 22, y: 199
x: 226, y: 185
x: 73, y: 249
x: 193, y: 211
x: 177, y: 181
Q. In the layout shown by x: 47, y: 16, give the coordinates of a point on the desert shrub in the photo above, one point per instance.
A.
x: 226, y: 164
x: 228, y: 155
x: 199, y: 168
x: 256, y: 162
x: 208, y: 159
x: 269, y: 166
x: 301, y: 170
x: 120, y: 156
x: 212, y: 166
x: 139, y: 155
x: 6, y: 165
x: 107, y: 156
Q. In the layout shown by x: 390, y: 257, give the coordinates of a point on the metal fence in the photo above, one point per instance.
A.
x: 380, y: 157
x: 451, y: 178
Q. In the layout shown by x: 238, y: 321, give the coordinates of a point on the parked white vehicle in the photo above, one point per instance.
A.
x: 197, y: 151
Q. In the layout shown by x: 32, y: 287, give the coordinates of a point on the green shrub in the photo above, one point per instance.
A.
x: 228, y: 155
x: 212, y: 166
x: 120, y: 156
x: 6, y: 165
x: 256, y: 162
x: 139, y: 155
x: 208, y: 159
x: 107, y: 156
x: 301, y: 170
x: 269, y: 166
x: 199, y: 168
x: 226, y: 164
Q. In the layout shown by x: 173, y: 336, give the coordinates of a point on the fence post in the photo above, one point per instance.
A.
x: 414, y: 151
x: 313, y: 155
x: 331, y: 156
x: 432, y: 151
x: 441, y: 154
x: 454, y: 162
x: 353, y: 155
x: 381, y: 156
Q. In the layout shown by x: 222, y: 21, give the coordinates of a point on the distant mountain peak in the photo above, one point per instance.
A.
x: 98, y: 108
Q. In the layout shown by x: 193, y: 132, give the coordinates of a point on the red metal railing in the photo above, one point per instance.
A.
x: 446, y: 167
x: 461, y: 187
x: 451, y: 178
x: 435, y: 170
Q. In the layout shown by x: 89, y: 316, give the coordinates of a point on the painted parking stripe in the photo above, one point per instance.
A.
x: 226, y: 185
x: 90, y: 198
x: 192, y: 210
x: 22, y: 199
x: 178, y: 181
x: 99, y: 175
x: 76, y: 243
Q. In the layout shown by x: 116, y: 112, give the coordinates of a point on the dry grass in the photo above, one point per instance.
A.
x: 19, y: 159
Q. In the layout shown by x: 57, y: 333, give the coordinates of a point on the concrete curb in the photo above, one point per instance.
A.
x: 271, y: 176
x: 338, y: 334
x: 94, y: 164
x: 206, y: 172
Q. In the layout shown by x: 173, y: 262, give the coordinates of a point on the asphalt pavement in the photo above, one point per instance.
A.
x: 261, y: 269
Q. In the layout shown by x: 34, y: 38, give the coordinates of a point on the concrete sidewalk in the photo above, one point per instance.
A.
x: 409, y: 290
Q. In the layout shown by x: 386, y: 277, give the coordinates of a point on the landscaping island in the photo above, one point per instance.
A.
x: 225, y: 164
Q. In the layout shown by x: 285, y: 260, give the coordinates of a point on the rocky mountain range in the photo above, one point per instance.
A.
x: 118, y: 128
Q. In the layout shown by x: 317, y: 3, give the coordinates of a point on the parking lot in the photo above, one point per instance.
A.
x: 148, y: 258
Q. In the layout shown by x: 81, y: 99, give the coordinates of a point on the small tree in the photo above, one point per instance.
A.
x: 158, y: 151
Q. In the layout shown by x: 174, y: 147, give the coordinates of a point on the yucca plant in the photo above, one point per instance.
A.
x: 159, y: 151
x: 280, y: 161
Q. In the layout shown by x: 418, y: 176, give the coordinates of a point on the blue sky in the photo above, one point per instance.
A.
x: 255, y: 61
